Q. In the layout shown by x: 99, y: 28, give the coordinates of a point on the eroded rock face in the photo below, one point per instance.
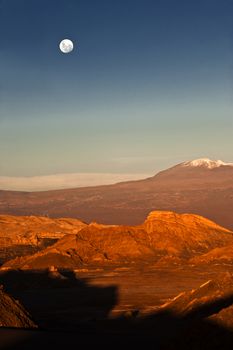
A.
x: 30, y: 229
x: 12, y: 313
x: 223, y: 255
x: 185, y: 235
x: 91, y: 245
x: 164, y: 234
x: 213, y: 300
x: 21, y: 235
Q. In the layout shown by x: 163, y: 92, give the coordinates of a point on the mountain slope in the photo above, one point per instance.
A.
x: 12, y: 313
x: 202, y: 187
x: 162, y: 234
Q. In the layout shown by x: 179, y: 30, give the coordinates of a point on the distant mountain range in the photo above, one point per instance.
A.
x: 201, y: 186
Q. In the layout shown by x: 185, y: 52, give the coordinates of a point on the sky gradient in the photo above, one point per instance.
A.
x: 149, y: 84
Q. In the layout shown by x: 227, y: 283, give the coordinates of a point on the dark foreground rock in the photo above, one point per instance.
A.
x: 12, y: 313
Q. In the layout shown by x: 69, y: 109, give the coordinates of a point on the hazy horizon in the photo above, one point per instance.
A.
x: 65, y: 181
x: 75, y: 180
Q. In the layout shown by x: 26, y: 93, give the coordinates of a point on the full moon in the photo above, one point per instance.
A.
x: 66, y: 46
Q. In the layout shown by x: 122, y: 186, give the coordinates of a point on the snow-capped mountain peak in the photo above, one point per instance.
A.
x: 206, y: 162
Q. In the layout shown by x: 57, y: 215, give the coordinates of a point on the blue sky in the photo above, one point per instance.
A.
x: 149, y: 84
